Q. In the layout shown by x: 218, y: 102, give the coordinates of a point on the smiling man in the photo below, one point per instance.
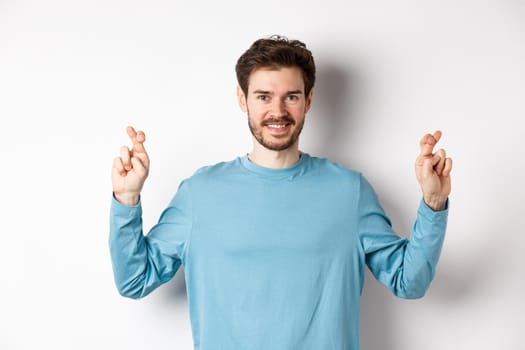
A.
x: 274, y: 243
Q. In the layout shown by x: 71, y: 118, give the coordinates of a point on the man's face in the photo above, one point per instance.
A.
x: 276, y: 105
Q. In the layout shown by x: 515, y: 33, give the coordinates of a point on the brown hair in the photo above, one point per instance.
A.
x: 276, y: 52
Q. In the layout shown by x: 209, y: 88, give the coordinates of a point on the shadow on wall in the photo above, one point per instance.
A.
x: 461, y: 275
x: 334, y: 103
x: 335, y: 106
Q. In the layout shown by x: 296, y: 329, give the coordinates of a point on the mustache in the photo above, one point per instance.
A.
x: 283, y: 119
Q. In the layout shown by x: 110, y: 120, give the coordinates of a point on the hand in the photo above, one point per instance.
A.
x: 131, y: 169
x: 433, y: 172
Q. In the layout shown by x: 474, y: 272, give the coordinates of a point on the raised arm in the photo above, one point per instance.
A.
x: 407, y: 267
x: 142, y: 263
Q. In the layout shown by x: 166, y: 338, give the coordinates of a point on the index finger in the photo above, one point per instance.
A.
x: 137, y: 138
x: 428, y: 142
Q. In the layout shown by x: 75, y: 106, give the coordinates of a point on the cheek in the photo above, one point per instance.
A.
x: 298, y: 111
x: 256, y: 110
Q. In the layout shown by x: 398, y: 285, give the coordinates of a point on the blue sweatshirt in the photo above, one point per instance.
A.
x: 274, y: 258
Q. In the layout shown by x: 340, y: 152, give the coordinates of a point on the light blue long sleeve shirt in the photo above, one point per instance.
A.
x: 274, y: 258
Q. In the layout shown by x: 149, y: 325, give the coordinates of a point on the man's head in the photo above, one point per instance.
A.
x: 276, y: 77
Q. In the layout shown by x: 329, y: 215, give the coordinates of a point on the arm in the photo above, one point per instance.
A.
x: 408, y: 266
x: 141, y: 263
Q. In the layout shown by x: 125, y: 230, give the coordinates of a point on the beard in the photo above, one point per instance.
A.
x: 284, y: 143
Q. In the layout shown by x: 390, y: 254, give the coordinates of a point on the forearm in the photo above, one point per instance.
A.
x: 423, y: 250
x: 128, y: 249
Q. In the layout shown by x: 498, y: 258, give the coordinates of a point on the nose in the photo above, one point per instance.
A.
x: 278, y: 108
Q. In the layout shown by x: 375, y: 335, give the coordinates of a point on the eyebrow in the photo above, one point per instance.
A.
x: 263, y: 92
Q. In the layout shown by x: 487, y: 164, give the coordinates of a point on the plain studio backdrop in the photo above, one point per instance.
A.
x: 74, y: 74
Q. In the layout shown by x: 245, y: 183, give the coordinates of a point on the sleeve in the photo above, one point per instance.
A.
x: 406, y: 267
x: 142, y: 263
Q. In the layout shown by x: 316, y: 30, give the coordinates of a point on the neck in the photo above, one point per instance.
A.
x: 274, y: 159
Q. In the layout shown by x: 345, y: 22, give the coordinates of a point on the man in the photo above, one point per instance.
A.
x: 274, y: 243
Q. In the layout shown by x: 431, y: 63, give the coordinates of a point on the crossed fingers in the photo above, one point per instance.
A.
x: 134, y: 158
x: 438, y: 160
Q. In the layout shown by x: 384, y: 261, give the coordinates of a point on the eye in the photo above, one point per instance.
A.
x: 263, y: 97
x: 292, y: 98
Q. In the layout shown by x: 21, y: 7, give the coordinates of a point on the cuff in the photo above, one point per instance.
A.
x: 120, y: 209
x: 433, y: 216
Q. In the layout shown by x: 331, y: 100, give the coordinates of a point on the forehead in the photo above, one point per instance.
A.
x: 276, y: 79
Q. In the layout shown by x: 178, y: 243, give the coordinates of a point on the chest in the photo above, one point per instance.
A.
x: 275, y: 221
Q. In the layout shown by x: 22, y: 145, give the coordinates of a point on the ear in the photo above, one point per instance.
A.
x: 241, y: 99
x: 308, y: 102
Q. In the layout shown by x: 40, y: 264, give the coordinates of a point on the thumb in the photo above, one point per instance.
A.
x: 427, y: 169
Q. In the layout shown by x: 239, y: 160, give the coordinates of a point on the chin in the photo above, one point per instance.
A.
x: 281, y: 145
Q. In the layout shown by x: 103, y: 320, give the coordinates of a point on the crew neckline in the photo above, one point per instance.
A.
x: 294, y: 169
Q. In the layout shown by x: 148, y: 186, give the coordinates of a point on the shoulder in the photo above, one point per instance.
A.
x: 207, y: 178
x: 348, y: 181
x: 328, y: 168
x: 217, y: 170
x: 332, y: 176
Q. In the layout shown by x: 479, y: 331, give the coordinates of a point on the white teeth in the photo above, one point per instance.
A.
x: 277, y: 126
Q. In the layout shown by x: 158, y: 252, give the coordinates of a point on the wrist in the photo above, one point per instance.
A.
x: 127, y: 198
x: 436, y: 203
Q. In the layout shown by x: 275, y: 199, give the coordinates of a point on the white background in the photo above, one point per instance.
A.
x: 73, y: 74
